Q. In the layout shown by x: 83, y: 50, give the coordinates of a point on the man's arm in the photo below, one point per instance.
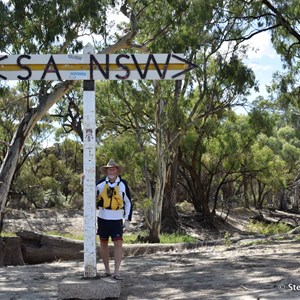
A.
x: 127, y: 201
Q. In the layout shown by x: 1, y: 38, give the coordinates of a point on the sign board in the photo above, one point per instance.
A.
x: 94, y: 67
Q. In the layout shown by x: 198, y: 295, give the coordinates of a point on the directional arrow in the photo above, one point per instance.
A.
x: 190, y: 64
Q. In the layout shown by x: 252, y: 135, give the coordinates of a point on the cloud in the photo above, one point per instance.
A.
x: 260, y: 46
x: 260, y: 67
x: 262, y: 58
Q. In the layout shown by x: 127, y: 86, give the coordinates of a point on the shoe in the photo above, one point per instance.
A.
x: 105, y: 274
x: 117, y: 277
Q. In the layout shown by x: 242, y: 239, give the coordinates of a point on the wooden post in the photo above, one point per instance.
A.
x: 89, y: 170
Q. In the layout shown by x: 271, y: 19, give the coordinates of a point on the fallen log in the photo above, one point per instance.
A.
x: 10, y: 252
x: 38, y: 248
x: 276, y: 217
x: 291, y: 218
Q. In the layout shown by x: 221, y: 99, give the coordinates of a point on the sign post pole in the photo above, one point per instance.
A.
x: 89, y: 171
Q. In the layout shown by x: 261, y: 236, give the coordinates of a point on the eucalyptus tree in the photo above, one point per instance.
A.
x: 195, y: 33
x: 49, y: 178
x: 281, y: 20
x: 236, y: 22
x: 37, y: 27
x: 275, y: 165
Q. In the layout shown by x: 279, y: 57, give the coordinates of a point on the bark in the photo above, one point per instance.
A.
x: 10, y: 252
x: 296, y: 196
x: 38, y: 248
x: 202, y: 198
x: 154, y: 214
x: 246, y: 191
x: 169, y: 212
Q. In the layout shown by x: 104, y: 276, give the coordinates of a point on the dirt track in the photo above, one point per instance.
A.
x: 212, y: 272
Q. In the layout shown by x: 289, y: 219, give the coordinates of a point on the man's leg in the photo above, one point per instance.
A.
x: 118, y: 253
x: 104, y: 251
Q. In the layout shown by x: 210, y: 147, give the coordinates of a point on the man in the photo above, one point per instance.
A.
x: 114, y: 203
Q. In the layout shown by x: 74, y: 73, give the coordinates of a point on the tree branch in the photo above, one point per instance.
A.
x: 126, y: 41
x: 282, y: 20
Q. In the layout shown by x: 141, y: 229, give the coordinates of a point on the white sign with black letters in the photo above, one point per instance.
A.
x: 94, y: 67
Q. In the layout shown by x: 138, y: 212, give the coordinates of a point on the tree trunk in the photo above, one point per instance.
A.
x: 196, y: 187
x: 169, y: 212
x: 25, y: 127
x: 246, y: 192
x: 37, y: 249
x: 295, y: 197
x: 154, y: 214
x: 276, y: 217
x: 282, y: 203
x: 203, y: 199
x: 200, y: 199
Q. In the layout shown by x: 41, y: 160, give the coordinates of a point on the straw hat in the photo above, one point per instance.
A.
x: 111, y: 164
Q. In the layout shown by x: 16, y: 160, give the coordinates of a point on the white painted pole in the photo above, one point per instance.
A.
x: 89, y: 171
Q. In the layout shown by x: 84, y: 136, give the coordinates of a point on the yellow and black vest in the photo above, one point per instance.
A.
x: 110, y: 198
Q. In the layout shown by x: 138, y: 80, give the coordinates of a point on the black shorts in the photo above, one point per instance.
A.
x: 110, y: 228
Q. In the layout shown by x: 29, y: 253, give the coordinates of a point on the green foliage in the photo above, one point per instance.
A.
x: 176, y: 238
x: 8, y: 234
x: 38, y: 27
x: 132, y: 238
x: 268, y: 229
x: 227, y: 241
x: 261, y: 121
x: 50, y: 178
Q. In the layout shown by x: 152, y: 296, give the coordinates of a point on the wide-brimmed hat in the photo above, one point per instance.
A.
x: 111, y: 164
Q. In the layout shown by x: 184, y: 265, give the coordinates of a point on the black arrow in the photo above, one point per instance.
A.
x: 190, y: 64
x: 2, y: 58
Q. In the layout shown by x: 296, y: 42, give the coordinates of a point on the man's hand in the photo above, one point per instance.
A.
x: 81, y: 179
x: 126, y: 225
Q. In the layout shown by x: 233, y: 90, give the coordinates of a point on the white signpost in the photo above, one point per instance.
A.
x: 89, y: 171
x: 90, y: 67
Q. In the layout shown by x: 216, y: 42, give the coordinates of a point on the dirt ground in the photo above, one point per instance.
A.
x: 246, y: 268
x: 266, y: 271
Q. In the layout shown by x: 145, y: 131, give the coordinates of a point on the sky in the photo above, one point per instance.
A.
x: 264, y: 61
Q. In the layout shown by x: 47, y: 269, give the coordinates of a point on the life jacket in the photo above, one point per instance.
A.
x: 110, y: 198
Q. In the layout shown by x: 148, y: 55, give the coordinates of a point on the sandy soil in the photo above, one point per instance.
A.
x: 263, y: 271
x: 248, y: 268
